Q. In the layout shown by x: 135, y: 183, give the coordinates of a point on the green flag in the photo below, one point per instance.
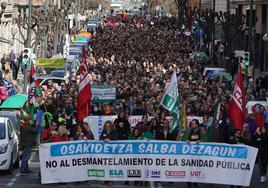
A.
x: 214, y: 129
x: 170, y: 100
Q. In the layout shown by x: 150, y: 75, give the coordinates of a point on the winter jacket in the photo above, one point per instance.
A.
x: 112, y: 135
x: 27, y: 136
x: 263, y: 148
x: 259, y: 119
x: 3, y: 93
x: 123, y: 128
x: 147, y: 136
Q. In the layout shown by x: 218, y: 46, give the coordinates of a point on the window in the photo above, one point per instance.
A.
x: 2, y: 131
x: 10, y: 128
x: 264, y: 14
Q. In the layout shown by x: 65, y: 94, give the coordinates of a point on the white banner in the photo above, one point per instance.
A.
x: 251, y: 104
x: 147, y: 161
x: 103, y: 93
x: 96, y: 122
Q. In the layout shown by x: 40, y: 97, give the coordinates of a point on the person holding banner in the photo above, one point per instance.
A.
x: 262, y: 139
x: 122, y: 126
x: 194, y: 135
x: 109, y: 133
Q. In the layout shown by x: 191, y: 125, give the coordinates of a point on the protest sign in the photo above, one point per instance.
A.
x: 96, y: 124
x: 103, y: 93
x: 147, y: 161
x: 251, y: 104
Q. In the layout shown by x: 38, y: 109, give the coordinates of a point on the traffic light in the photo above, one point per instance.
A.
x: 245, y: 63
x: 246, y: 59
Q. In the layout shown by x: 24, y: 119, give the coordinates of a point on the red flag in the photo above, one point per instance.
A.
x: 237, y: 106
x: 34, y: 88
x: 84, y: 93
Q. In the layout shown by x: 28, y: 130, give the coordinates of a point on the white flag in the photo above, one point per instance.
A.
x: 170, y: 100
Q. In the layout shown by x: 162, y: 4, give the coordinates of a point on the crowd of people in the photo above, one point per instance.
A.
x: 139, y: 56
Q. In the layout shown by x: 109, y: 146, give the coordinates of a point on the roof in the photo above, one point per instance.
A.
x: 8, y: 113
x: 15, y: 102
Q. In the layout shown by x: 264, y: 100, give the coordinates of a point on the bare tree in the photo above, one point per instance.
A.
x: 44, y: 21
x: 3, y: 8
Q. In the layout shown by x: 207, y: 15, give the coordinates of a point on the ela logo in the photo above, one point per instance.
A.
x: 116, y: 173
x: 134, y: 173
x: 95, y: 173
x: 153, y: 174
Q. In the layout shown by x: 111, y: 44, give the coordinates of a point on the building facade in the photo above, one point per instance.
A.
x: 11, y: 36
x: 260, y: 13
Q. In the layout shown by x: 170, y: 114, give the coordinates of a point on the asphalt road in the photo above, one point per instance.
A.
x: 32, y: 181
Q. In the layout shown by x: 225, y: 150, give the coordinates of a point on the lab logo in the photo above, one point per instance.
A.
x: 134, y: 173
x: 152, y: 174
x: 116, y: 173
x: 95, y: 173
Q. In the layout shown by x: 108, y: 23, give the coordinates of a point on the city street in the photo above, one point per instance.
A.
x: 134, y: 93
x: 32, y: 181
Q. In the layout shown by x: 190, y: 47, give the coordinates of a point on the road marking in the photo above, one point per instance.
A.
x: 10, y: 184
x: 14, y: 179
x: 152, y: 184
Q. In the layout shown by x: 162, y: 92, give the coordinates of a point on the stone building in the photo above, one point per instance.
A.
x: 10, y: 36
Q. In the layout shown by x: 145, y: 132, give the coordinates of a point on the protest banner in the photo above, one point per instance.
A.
x: 96, y: 122
x: 147, y: 161
x: 103, y: 93
x: 251, y: 104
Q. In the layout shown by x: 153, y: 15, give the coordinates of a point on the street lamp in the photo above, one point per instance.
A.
x: 14, y: 31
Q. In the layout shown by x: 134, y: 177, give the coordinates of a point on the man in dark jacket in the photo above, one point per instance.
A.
x: 163, y: 132
x: 122, y: 126
x: 27, y: 142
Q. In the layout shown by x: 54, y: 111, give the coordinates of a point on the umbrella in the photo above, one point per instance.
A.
x: 85, y: 34
x: 223, y: 76
x: 200, y: 56
x: 15, y: 102
x: 82, y: 39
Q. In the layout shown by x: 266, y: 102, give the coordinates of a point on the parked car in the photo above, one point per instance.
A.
x: 210, y: 71
x: 9, y: 146
x: 56, y: 80
x: 79, y: 45
x: 15, y: 119
x: 76, y: 52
